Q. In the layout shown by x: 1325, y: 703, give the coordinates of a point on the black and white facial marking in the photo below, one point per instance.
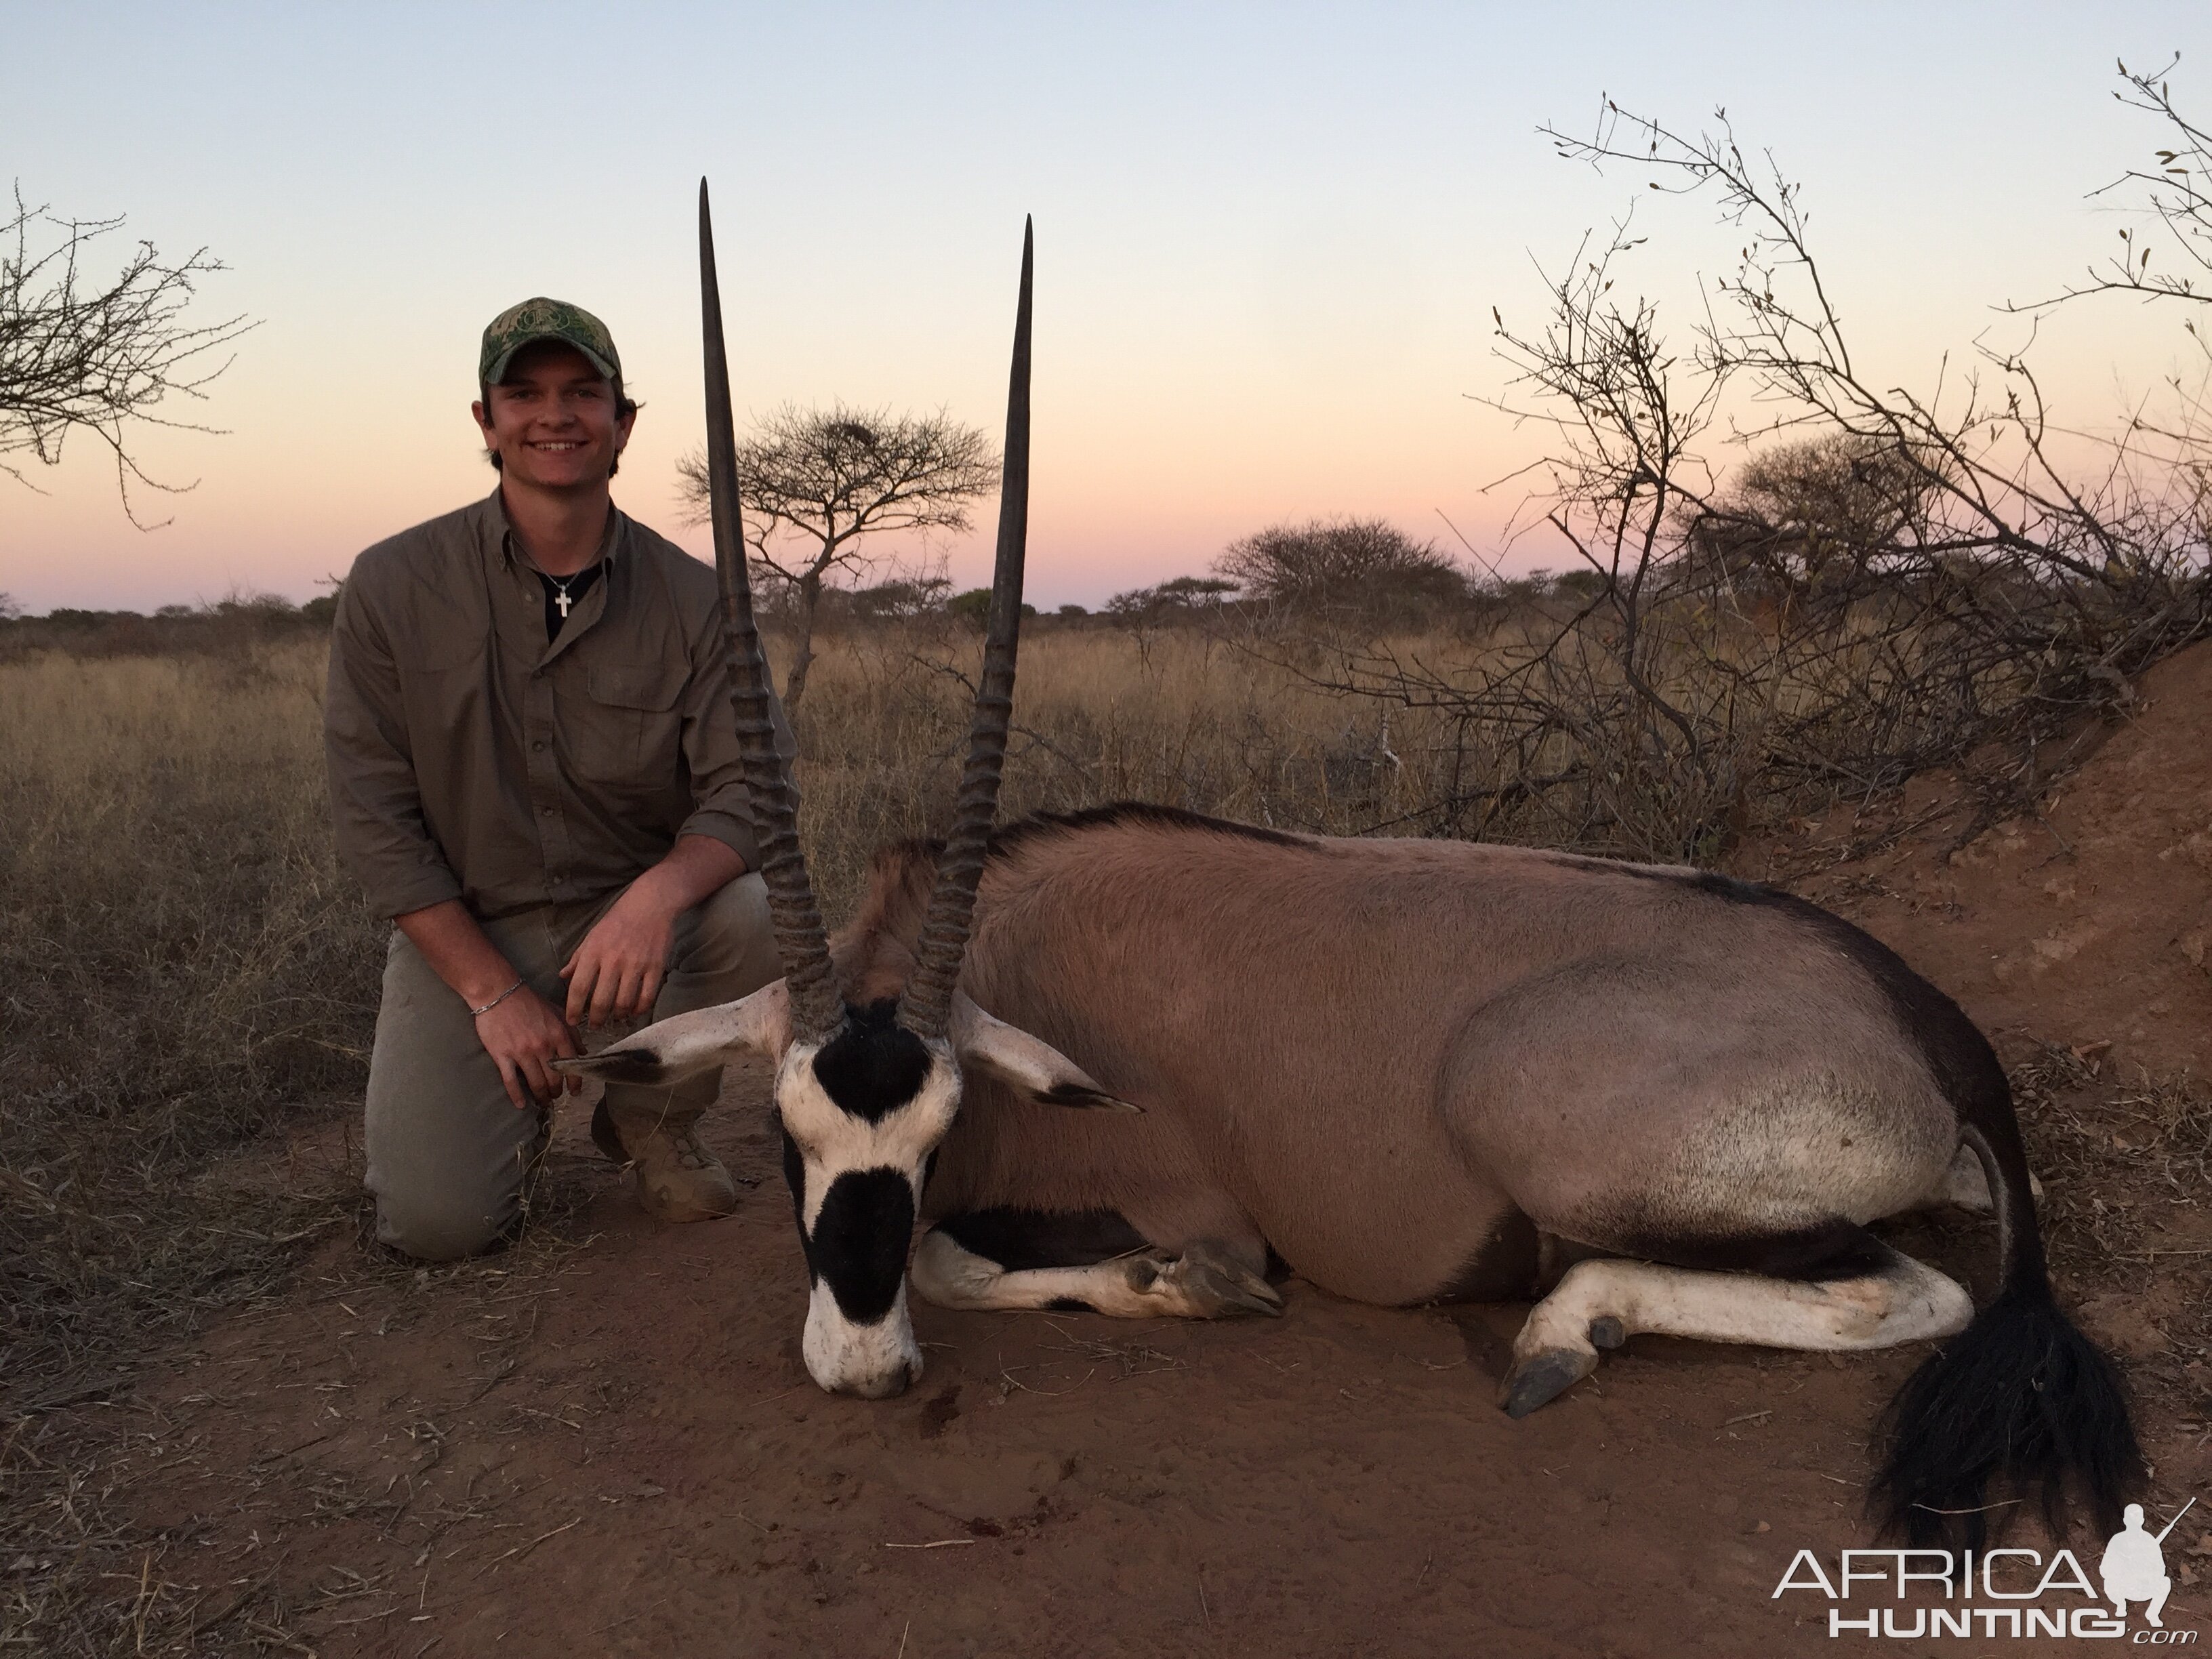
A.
x: 862, y: 1114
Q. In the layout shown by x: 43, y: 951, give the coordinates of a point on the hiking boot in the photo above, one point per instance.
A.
x: 677, y: 1178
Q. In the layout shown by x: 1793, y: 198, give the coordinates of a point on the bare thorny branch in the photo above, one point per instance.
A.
x: 96, y: 360
x: 2175, y: 195
x: 1910, y: 575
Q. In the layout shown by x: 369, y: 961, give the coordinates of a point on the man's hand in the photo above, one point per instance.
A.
x: 616, y: 971
x: 524, y: 1035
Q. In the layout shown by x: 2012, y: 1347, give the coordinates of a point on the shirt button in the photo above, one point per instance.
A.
x: 545, y: 811
x: 539, y: 746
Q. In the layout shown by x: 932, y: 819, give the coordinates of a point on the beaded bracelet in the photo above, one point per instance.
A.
x: 478, y: 1014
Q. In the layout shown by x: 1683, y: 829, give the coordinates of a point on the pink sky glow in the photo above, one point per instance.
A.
x: 1269, y: 240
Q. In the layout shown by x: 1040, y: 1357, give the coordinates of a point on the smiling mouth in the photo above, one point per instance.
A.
x: 557, y: 444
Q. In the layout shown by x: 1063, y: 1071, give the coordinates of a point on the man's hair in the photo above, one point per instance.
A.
x: 623, y: 406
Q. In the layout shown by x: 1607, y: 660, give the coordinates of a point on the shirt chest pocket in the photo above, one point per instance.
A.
x: 443, y: 688
x: 625, y: 733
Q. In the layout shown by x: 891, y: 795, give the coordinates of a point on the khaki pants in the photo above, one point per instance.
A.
x: 448, y: 1154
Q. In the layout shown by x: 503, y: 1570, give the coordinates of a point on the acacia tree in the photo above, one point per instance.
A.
x: 96, y: 356
x: 1362, y: 570
x: 1181, y: 597
x: 815, y: 485
x: 1803, y: 522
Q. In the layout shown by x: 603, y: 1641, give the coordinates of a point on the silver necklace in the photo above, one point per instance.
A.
x: 561, y: 591
x: 560, y: 599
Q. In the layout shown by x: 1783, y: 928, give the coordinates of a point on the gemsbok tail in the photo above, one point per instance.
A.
x: 2020, y: 1404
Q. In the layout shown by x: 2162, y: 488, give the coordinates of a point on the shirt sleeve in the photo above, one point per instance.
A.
x: 376, y: 803
x: 722, y: 807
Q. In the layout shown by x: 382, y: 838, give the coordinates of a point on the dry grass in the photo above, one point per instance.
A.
x: 2126, y: 1164
x: 184, y: 969
x: 184, y: 964
x: 1533, y: 723
x: 1177, y: 717
x: 1667, y: 729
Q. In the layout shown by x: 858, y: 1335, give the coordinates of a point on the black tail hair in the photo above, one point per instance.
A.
x: 2019, y: 1400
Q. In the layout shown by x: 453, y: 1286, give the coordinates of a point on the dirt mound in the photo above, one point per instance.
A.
x: 2084, y: 923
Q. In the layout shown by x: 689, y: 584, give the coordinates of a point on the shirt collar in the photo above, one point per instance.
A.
x: 497, y: 534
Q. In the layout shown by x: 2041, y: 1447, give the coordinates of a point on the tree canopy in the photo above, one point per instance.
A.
x: 816, y: 485
x: 1352, y: 569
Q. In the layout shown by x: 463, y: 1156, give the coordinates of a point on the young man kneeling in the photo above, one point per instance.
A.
x: 534, y: 772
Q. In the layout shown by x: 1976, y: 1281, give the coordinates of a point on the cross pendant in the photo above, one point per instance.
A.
x: 561, y: 599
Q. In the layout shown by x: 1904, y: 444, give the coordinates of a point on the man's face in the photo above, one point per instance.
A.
x: 552, y: 421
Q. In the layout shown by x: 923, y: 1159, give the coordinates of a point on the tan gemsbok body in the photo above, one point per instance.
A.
x: 1657, y: 1100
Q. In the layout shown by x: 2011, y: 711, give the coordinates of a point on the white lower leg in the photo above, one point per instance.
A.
x: 1602, y: 1304
x: 1143, y: 1286
x: 1907, y: 1302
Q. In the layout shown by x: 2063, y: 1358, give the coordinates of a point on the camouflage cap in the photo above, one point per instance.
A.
x: 541, y: 319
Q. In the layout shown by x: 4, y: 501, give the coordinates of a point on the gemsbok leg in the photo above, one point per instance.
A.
x: 1884, y: 1297
x: 1005, y: 1261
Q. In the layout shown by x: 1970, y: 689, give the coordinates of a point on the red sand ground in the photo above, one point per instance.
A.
x: 2089, y: 922
x: 604, y: 1442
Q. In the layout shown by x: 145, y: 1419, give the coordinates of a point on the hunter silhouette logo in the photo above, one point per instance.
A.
x: 2134, y: 1567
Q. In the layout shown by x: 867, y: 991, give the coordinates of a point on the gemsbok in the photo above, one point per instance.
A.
x: 1653, y: 1099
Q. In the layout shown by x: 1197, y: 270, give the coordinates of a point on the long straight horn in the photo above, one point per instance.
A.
x: 816, y: 1009
x: 927, y: 1000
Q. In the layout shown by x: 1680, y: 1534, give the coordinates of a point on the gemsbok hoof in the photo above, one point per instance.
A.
x: 1202, y: 1286
x: 1543, y: 1377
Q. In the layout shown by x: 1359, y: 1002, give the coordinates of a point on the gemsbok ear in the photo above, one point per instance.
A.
x: 1021, y: 1061
x: 685, y: 1045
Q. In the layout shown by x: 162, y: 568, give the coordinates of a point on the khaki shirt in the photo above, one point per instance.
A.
x: 470, y: 760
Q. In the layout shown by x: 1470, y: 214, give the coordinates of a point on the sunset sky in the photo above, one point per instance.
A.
x: 1269, y: 237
